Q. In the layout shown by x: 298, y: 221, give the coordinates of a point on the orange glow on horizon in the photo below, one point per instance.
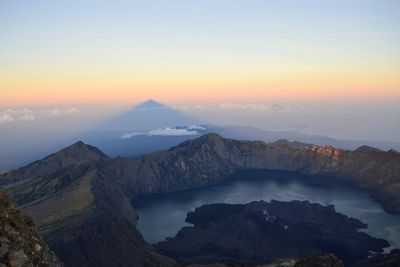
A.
x: 56, y: 87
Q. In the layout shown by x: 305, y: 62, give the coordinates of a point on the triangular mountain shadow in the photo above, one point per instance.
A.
x: 151, y: 103
x: 148, y: 115
x: 135, y: 123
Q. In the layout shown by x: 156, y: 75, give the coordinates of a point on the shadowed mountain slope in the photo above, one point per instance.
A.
x: 126, y: 134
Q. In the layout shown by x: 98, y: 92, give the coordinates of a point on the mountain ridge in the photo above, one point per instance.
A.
x: 74, y: 154
x: 93, y: 188
x: 210, y: 158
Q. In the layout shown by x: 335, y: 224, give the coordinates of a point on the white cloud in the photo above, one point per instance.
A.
x: 240, y: 106
x: 262, y: 107
x: 26, y: 114
x: 256, y: 107
x: 27, y: 117
x: 129, y: 135
x: 72, y: 110
x: 55, y: 112
x: 171, y: 132
x: 6, y: 118
x: 187, y: 107
x: 168, y: 131
x: 27, y: 111
x: 195, y: 127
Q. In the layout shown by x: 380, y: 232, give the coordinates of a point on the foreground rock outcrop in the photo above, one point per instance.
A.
x: 260, y: 232
x: 81, y: 199
x: 20, y: 242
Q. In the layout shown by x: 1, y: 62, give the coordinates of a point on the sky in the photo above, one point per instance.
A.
x: 211, y: 51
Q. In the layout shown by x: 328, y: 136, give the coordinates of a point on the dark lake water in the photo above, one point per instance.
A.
x: 162, y: 215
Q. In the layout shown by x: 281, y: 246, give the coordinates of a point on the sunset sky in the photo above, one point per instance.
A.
x: 61, y: 52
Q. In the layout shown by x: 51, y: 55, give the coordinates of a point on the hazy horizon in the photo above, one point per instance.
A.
x: 338, y: 120
x: 326, y: 68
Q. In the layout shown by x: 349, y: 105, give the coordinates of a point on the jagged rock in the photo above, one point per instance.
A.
x: 18, y: 238
x: 37, y: 247
x: 3, y: 250
x: 321, y: 260
x: 391, y: 259
x: 17, y: 258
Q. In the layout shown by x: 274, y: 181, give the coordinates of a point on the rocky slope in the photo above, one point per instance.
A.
x: 84, y: 217
x: 20, y: 242
x: 75, y: 195
x: 77, y: 154
x: 320, y: 260
x: 386, y: 260
x: 260, y: 232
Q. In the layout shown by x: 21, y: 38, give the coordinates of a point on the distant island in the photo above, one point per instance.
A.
x: 260, y: 232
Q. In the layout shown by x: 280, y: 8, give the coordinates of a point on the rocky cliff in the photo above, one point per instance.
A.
x: 211, y: 159
x: 20, y: 242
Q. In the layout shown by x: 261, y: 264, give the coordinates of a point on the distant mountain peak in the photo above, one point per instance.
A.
x: 150, y: 104
x: 209, y: 138
x: 70, y: 156
x: 75, y: 154
x: 365, y: 148
x: 78, y: 144
x: 80, y: 147
x: 212, y: 137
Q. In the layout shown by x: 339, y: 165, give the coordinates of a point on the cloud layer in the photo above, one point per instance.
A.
x: 27, y: 114
x: 171, y: 132
x: 168, y: 131
x: 257, y: 107
x: 6, y: 118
